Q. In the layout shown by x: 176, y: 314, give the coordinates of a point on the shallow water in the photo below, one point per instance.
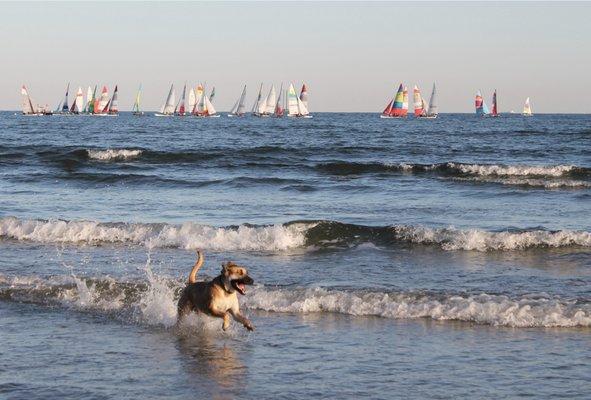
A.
x: 440, y: 258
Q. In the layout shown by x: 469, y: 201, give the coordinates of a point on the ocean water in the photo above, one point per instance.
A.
x: 445, y: 258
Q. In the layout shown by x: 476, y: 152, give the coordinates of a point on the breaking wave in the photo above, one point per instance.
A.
x: 113, y: 154
x: 282, y: 237
x: 153, y: 302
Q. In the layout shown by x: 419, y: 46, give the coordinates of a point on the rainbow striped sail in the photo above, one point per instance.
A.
x: 396, y: 108
x: 481, y: 108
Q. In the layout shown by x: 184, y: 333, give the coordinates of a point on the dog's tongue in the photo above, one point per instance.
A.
x: 242, y: 287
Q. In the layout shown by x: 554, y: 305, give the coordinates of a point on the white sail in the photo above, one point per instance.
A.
x: 209, y: 107
x: 136, y: 103
x: 262, y: 104
x: 192, y: 100
x: 168, y: 107
x: 292, y: 101
x: 201, y: 107
x: 527, y: 108
x: 302, y: 109
x: 271, y: 101
x: 242, y: 103
x: 432, y: 112
x: 234, y: 107
x: 79, y: 102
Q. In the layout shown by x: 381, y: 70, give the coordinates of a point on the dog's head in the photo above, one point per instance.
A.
x: 235, y: 278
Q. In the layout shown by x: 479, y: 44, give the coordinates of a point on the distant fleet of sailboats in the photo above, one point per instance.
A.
x: 195, y: 101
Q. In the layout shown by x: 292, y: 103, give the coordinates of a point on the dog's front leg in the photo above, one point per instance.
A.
x: 224, y: 316
x: 242, y: 319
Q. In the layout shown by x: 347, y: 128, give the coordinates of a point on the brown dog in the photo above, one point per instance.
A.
x: 218, y: 297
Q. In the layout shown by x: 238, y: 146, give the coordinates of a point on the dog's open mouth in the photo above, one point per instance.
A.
x: 240, y: 284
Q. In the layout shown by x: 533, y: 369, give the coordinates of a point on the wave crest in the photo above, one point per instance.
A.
x: 113, y: 154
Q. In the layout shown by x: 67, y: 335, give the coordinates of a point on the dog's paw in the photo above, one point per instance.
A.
x: 249, y: 326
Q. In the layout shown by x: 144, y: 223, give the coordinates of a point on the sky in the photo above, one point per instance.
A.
x: 352, y: 56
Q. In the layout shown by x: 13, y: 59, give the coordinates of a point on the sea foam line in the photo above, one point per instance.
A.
x: 189, y: 235
x: 113, y: 154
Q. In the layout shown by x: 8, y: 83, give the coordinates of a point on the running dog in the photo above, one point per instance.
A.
x: 218, y: 297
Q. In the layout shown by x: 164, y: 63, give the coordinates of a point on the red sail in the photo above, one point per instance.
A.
x: 494, y: 104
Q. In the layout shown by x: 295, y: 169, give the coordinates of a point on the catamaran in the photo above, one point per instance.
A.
x: 136, y: 104
x: 179, y: 110
x: 396, y: 107
x: 78, y: 104
x: 527, y: 109
x: 65, y: 108
x: 279, y: 108
x: 295, y: 106
x: 239, y: 107
x: 28, y: 108
x: 495, y: 110
x: 167, y: 108
x: 419, y: 103
x: 481, y: 108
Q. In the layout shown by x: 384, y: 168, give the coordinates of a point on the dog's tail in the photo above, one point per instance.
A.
x: 198, y: 264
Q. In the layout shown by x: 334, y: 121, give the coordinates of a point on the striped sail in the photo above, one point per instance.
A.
x: 418, y: 102
x: 398, y: 108
x: 432, y: 112
x: 405, y: 101
x: 103, y: 102
x: 527, y: 108
x: 65, y: 103
x: 481, y: 108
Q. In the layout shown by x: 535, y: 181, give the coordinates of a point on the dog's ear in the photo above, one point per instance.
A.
x: 226, y: 278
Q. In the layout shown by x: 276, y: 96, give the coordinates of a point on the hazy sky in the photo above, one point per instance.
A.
x: 351, y: 55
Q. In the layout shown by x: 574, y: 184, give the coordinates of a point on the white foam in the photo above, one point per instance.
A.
x: 511, y: 170
x: 188, y: 235
x: 482, y: 309
x: 533, y: 182
x: 113, y: 154
x: 480, y: 240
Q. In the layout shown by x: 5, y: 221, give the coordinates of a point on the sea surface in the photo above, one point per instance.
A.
x: 446, y: 258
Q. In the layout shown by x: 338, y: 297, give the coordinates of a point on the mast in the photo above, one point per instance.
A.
x: 65, y: 103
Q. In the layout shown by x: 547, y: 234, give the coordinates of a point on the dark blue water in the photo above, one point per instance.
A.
x: 428, y: 258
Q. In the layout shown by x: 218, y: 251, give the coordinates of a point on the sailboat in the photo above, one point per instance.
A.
x: 279, y: 109
x: 481, y: 108
x: 101, y: 105
x: 432, y: 111
x: 78, y: 104
x: 192, y: 100
x: 113, y: 109
x: 179, y: 110
x: 295, y: 106
x: 28, y: 107
x: 266, y: 106
x: 419, y: 103
x: 167, y: 108
x: 527, y: 109
x: 495, y: 110
x: 209, y: 109
x: 304, y: 95
x: 239, y: 107
x: 396, y: 108
x: 90, y: 97
x: 136, y: 104
x: 258, y: 104
x: 65, y: 108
